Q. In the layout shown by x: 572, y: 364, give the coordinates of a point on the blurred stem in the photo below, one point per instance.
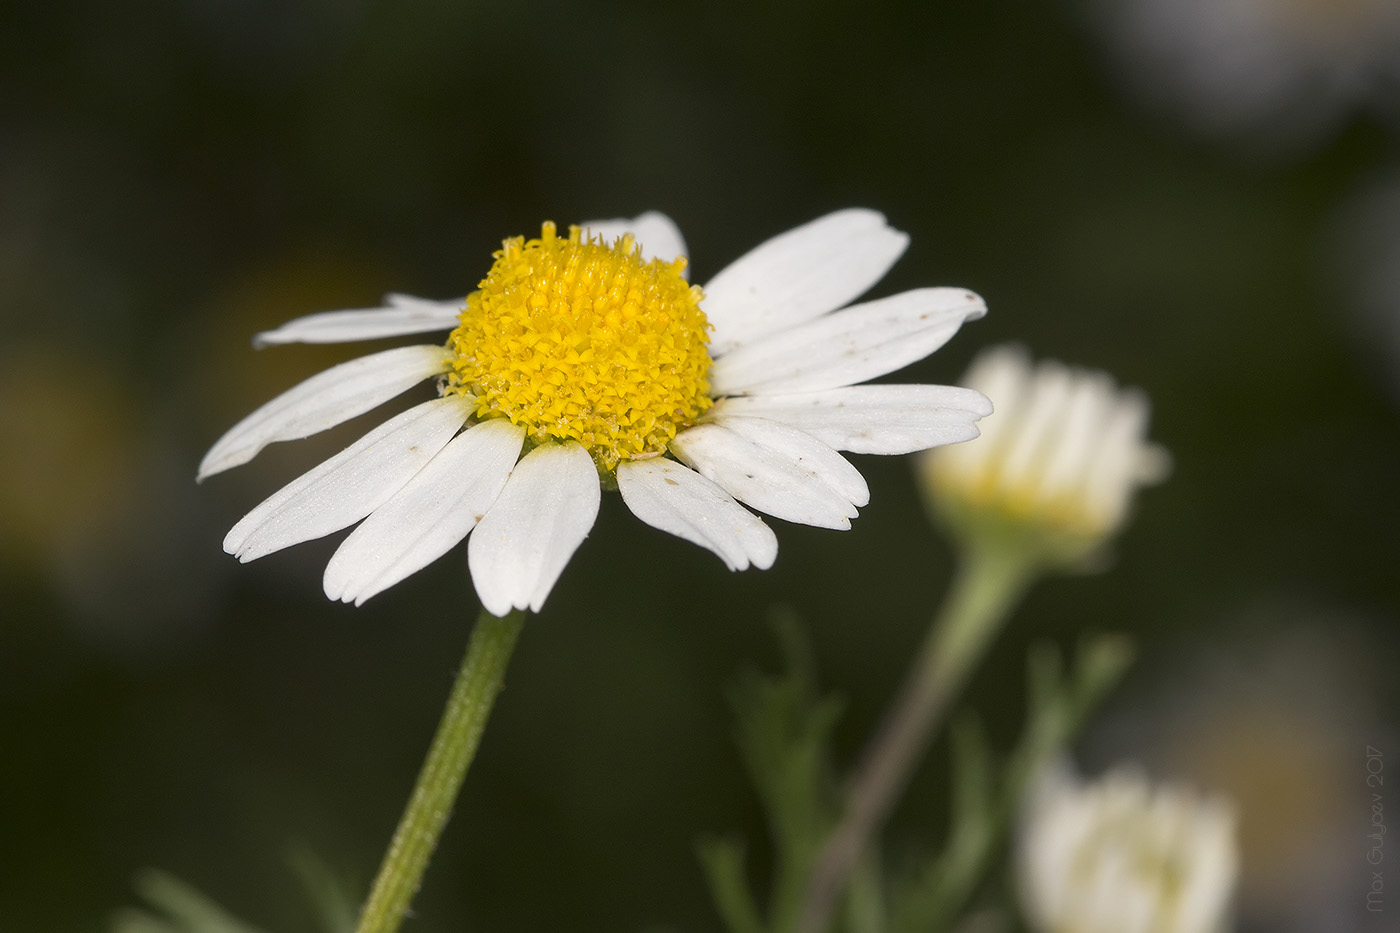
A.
x: 480, y: 678
x: 1057, y: 706
x: 989, y: 581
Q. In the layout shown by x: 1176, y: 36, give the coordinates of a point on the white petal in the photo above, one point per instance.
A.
x: 1026, y: 452
x: 806, y: 452
x: 541, y: 517
x: 1110, y: 478
x: 657, y: 235
x: 799, y: 275
x: 879, y: 419
x: 850, y: 346
x: 768, y: 479
x: 1086, y: 408
x: 668, y: 496
x: 403, y: 314
x: 350, y: 485
x: 1003, y: 374
x: 429, y: 515
x: 325, y: 400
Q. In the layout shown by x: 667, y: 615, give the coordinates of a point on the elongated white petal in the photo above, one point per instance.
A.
x: 805, y: 452
x: 680, y: 501
x: 402, y: 314
x: 799, y: 275
x: 850, y: 346
x: 1123, y: 459
x: 325, y: 400
x: 879, y: 419
x: 656, y: 233
x: 541, y: 517
x: 429, y: 515
x: 1038, y: 427
x: 1089, y: 404
x: 766, y: 478
x: 350, y: 485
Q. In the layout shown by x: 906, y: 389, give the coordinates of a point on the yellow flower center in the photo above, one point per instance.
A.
x: 578, y: 340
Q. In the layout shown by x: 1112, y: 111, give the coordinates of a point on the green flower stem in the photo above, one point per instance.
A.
x: 481, y: 677
x: 989, y: 581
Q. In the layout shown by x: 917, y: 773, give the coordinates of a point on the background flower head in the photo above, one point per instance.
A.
x: 1058, y: 462
x: 1122, y: 855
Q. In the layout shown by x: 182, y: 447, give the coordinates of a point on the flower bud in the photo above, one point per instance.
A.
x: 1119, y: 855
x: 1056, y: 466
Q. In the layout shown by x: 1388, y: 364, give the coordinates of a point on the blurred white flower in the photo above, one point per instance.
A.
x: 1058, y: 461
x: 1279, y: 72
x: 586, y: 359
x: 1119, y: 855
x: 1273, y: 709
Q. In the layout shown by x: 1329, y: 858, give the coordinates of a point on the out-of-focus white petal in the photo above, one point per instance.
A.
x: 1085, y: 411
x: 878, y: 419
x: 1003, y: 374
x: 850, y: 346
x: 325, y: 400
x: 429, y: 515
x: 350, y: 485
x: 799, y: 275
x: 402, y: 315
x: 765, y: 477
x: 540, y: 518
x: 1038, y: 427
x: 1120, y: 855
x: 657, y: 235
x: 668, y: 496
x: 1122, y: 459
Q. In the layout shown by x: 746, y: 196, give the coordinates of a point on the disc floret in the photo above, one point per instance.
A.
x: 575, y: 339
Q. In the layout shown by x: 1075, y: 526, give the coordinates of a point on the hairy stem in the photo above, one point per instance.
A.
x: 988, y: 583
x: 480, y: 678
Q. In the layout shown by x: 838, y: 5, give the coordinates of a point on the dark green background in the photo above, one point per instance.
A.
x: 175, y: 176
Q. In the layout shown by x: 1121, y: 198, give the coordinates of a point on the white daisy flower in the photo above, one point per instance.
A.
x: 1119, y: 855
x: 1057, y: 465
x: 592, y: 356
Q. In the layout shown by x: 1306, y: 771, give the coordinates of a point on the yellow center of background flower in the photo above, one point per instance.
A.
x: 577, y: 340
